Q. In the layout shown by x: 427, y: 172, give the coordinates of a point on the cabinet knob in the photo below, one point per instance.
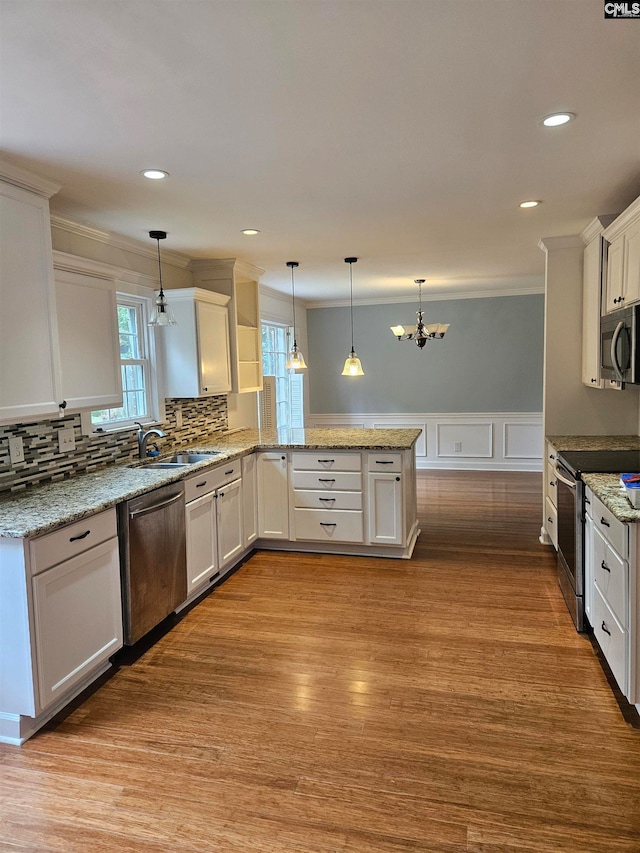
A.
x: 205, y: 389
x: 594, y: 380
x: 62, y: 405
x: 397, y: 479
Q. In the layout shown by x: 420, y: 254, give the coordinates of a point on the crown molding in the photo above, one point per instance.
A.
x: 118, y: 241
x: 26, y: 180
x: 620, y: 223
x: 430, y: 297
x: 596, y: 227
x: 285, y: 299
x: 87, y: 266
x: 225, y: 266
x: 570, y: 241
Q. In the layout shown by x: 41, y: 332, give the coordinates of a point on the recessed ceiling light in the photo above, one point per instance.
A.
x: 250, y: 232
x: 154, y: 174
x: 530, y: 203
x: 556, y: 119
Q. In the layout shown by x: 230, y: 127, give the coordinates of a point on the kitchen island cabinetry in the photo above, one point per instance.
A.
x: 249, y: 499
x: 30, y: 378
x: 623, y: 264
x: 273, y: 495
x: 60, y: 619
x: 196, y: 351
x: 386, y: 504
x: 549, y: 533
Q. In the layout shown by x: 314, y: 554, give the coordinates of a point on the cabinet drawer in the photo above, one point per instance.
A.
x: 611, y: 637
x: 337, y: 500
x: 391, y: 463
x: 551, y: 484
x: 53, y: 548
x: 328, y: 525
x: 347, y: 481
x: 208, y: 480
x: 551, y: 522
x: 326, y: 461
x: 610, y: 574
x: 614, y: 531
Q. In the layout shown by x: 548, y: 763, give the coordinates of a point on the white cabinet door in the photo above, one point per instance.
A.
x: 250, y: 498
x: 78, y: 618
x: 631, y: 291
x: 213, y: 346
x: 202, y: 554
x: 591, y: 306
x: 385, y: 509
x: 89, y: 342
x: 29, y: 368
x: 229, y: 511
x: 615, y: 271
x: 588, y: 566
x: 273, y: 495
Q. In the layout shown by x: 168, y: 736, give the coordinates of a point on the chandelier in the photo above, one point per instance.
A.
x: 420, y: 333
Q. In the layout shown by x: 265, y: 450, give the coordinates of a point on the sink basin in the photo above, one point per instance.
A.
x: 178, y: 460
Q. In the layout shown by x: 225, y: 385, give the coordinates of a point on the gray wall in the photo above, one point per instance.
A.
x: 490, y: 360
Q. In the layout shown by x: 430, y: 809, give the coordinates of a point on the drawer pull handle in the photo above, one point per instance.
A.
x: 605, y: 567
x: 80, y: 536
x: 550, y: 520
x: 384, y: 461
x: 605, y: 629
x: 320, y: 480
x: 605, y: 522
x: 200, y: 485
x: 328, y: 461
x: 327, y: 500
x: 587, y: 501
x: 226, y: 473
x: 553, y: 483
x: 328, y: 524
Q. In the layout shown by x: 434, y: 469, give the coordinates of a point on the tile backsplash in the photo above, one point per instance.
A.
x: 43, y: 461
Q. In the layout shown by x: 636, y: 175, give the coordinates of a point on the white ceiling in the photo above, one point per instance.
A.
x: 402, y: 132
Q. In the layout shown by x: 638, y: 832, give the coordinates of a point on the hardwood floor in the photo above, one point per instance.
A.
x: 321, y: 704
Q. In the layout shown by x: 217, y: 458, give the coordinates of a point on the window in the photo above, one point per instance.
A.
x: 139, y: 399
x: 288, y: 384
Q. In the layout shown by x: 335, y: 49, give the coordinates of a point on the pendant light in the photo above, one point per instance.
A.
x: 352, y: 365
x: 162, y: 315
x: 295, y: 359
x: 420, y: 333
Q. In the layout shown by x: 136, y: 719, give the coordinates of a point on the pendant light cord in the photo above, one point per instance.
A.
x: 159, y: 268
x: 351, y: 300
x: 293, y: 293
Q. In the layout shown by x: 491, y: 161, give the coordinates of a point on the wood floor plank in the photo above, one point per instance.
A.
x: 325, y: 704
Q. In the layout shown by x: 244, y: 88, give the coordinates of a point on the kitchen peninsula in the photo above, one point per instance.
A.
x: 347, y: 491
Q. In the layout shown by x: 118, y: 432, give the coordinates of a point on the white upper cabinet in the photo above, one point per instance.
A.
x: 623, y: 266
x: 196, y: 351
x: 595, y: 255
x: 88, y: 340
x: 30, y: 382
x: 240, y: 282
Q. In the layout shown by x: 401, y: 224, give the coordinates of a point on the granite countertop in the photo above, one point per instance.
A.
x: 41, y: 509
x: 608, y: 489
x: 595, y: 442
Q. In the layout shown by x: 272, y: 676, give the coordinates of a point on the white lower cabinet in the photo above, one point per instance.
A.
x: 77, y: 615
x: 214, y: 524
x: 250, y: 498
x: 273, y: 495
x: 385, y: 509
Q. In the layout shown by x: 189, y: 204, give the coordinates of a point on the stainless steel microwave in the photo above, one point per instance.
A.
x: 620, y: 347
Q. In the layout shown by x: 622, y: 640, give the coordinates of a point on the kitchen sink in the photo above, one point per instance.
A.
x: 178, y: 460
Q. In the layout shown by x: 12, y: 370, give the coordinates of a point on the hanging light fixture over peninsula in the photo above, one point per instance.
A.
x: 352, y: 365
x: 295, y: 359
x: 162, y: 315
x: 420, y: 333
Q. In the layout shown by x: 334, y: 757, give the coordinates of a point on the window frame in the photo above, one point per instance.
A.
x: 142, y: 299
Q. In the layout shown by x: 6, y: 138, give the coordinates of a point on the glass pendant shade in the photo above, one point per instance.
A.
x: 352, y: 365
x: 295, y: 359
x: 162, y: 314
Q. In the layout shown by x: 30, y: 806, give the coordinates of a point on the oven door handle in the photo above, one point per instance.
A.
x: 562, y: 479
x: 614, y: 343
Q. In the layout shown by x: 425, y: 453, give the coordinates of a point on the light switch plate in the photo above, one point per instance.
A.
x: 457, y: 447
x: 178, y: 418
x: 16, y: 450
x: 66, y: 440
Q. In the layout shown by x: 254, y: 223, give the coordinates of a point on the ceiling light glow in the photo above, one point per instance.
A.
x: 530, y: 203
x: 557, y: 119
x: 154, y: 174
x: 250, y: 232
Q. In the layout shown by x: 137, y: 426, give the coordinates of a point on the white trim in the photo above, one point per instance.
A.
x: 86, y: 266
x: 118, y: 241
x: 226, y: 267
x: 428, y: 454
x: 596, y: 227
x: 621, y: 223
x: 20, y: 177
x: 428, y: 296
x: 570, y: 241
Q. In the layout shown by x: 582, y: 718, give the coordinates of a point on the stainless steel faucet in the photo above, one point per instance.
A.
x: 143, y: 438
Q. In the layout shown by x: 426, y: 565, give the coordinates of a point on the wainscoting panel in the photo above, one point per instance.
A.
x: 500, y: 441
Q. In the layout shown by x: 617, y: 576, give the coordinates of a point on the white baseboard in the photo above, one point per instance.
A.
x: 470, y: 441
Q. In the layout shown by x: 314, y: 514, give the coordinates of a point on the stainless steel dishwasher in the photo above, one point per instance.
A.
x: 152, y: 558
